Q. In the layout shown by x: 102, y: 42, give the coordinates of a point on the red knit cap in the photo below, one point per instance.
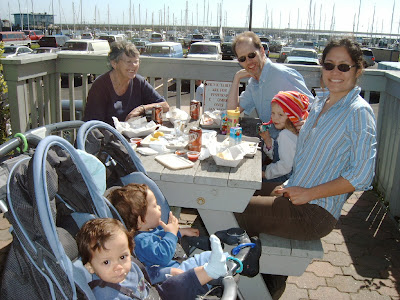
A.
x: 294, y: 104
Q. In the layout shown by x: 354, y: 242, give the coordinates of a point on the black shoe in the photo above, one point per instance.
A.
x: 251, y: 264
x: 276, y: 284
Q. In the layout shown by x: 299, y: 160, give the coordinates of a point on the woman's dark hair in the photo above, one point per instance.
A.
x: 119, y: 48
x: 352, y: 48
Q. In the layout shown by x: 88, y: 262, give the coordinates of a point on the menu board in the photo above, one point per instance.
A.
x: 215, y: 95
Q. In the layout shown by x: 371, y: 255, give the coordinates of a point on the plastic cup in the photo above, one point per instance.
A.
x: 136, y: 141
x: 193, y: 155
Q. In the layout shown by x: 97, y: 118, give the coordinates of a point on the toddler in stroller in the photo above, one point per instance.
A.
x: 106, y: 246
x: 42, y: 262
x: 155, y: 241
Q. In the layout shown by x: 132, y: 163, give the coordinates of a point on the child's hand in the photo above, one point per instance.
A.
x: 299, y: 124
x: 267, y: 138
x: 175, y: 271
x: 189, y: 232
x: 172, y: 226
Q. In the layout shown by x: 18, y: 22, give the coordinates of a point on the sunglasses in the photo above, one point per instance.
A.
x: 250, y: 55
x: 341, y: 67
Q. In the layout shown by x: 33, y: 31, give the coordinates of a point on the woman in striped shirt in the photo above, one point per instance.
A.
x: 335, y: 156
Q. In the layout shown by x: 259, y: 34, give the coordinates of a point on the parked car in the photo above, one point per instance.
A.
x: 264, y: 39
x: 215, y: 39
x: 87, y: 36
x: 141, y: 45
x: 304, y: 44
x: 111, y: 38
x: 53, y: 41
x: 266, y: 48
x: 164, y: 49
x: 187, y: 40
x: 14, y: 38
x: 276, y: 46
x: 46, y: 50
x: 91, y: 47
x: 197, y: 38
x: 13, y: 51
x: 205, y: 50
x: 86, y: 47
x: 303, y: 56
x: 227, y: 51
x: 369, y: 58
x: 284, y: 53
x: 34, y: 35
x: 156, y: 37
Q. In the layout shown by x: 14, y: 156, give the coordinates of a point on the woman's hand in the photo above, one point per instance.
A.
x: 136, y: 112
x: 296, y: 194
x: 189, y: 231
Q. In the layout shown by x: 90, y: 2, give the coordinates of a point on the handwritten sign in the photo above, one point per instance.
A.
x: 215, y: 95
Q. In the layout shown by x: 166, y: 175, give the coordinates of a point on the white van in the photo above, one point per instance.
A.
x: 86, y: 47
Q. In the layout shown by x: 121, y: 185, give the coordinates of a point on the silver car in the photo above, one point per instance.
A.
x: 369, y: 58
x: 284, y: 53
x: 12, y: 51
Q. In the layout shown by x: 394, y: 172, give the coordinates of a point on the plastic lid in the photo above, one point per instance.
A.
x: 235, y: 112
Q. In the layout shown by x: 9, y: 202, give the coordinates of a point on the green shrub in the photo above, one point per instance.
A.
x: 4, y: 107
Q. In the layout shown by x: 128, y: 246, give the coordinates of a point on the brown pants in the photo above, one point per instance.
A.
x: 278, y: 216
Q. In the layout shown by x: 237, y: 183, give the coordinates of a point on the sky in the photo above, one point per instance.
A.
x: 341, y: 15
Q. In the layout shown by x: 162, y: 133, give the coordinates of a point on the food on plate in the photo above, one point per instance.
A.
x: 158, y: 134
x: 223, y: 155
x: 154, y: 139
x: 207, y: 120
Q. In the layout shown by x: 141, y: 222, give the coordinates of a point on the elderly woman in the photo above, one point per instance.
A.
x: 335, y: 155
x: 121, y: 92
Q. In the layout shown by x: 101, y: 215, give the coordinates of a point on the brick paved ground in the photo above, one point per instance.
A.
x: 361, y: 256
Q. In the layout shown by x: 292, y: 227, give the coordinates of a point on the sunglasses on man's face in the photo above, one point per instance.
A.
x: 250, y: 55
x: 341, y: 67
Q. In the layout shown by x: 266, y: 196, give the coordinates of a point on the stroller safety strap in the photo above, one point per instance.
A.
x: 124, y: 290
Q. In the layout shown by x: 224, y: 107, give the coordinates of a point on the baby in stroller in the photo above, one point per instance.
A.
x: 105, y: 247
x: 155, y: 241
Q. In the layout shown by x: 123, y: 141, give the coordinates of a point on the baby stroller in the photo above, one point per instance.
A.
x: 124, y: 167
x: 42, y: 192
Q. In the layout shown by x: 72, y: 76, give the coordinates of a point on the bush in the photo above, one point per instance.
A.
x: 4, y: 107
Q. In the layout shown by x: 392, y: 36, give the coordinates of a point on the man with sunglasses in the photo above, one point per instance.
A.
x: 266, y: 78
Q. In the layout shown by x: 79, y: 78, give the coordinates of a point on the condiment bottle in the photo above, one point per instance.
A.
x: 232, y: 118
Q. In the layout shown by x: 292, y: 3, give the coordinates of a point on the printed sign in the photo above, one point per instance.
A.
x: 215, y: 95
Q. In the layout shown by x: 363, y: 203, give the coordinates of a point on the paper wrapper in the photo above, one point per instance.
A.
x: 230, y: 157
x: 175, y: 114
x: 135, y: 128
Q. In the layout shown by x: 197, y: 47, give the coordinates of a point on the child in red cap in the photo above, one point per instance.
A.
x: 287, y: 108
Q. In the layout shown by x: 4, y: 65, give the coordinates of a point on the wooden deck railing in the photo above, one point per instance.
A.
x: 34, y: 87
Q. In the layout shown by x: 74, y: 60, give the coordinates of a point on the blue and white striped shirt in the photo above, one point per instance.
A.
x: 343, y: 144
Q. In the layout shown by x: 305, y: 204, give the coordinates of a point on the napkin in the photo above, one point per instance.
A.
x: 230, y: 157
x: 135, y: 127
x: 177, y: 114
